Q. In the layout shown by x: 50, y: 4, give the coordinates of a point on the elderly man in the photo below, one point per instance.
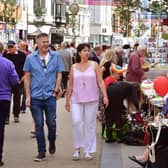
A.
x: 95, y: 53
x: 135, y: 71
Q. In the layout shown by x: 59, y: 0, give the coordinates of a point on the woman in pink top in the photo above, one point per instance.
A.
x: 82, y: 100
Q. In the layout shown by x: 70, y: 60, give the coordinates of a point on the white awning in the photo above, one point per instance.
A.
x: 32, y: 29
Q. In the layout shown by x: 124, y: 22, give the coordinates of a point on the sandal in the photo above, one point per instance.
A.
x: 141, y: 162
x: 88, y: 156
x: 76, y: 156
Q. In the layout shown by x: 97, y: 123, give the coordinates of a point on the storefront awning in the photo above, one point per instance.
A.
x: 35, y: 33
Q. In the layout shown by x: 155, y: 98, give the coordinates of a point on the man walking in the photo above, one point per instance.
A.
x: 95, y: 53
x: 18, y: 58
x: 8, y: 78
x: 42, y: 81
x: 67, y: 61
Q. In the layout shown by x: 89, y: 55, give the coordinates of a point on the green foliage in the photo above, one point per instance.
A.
x: 39, y: 11
x: 124, y: 9
x: 8, y: 10
x: 158, y: 7
x: 140, y: 29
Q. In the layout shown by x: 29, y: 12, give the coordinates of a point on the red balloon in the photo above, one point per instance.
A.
x: 160, y: 85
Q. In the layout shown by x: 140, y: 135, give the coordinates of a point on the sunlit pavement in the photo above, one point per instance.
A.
x: 20, y: 149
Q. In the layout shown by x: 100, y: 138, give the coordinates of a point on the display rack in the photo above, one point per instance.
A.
x: 157, y: 54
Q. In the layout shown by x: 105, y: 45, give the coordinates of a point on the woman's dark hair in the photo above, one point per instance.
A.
x: 79, y: 49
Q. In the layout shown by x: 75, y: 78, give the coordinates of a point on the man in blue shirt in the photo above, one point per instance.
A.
x: 43, y: 73
x: 9, y: 78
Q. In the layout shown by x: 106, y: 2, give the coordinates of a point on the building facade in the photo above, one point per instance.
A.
x: 13, y: 23
x: 100, y: 24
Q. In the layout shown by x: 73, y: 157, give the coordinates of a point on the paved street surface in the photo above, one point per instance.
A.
x: 20, y: 148
x: 116, y: 155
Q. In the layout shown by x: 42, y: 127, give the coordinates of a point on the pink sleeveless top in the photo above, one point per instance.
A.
x: 85, y: 87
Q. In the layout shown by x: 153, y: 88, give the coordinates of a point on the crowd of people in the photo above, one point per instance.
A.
x: 91, y: 79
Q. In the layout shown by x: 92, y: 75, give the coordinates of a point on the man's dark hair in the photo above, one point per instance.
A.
x: 41, y: 35
x: 97, y: 48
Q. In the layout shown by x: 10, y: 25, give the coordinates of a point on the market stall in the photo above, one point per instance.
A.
x: 151, y: 98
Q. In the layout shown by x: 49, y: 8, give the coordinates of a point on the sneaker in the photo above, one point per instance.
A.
x: 109, y: 140
x: 52, y: 147
x: 1, y: 163
x: 23, y: 111
x: 16, y: 119
x: 32, y: 134
x: 7, y: 122
x: 40, y: 157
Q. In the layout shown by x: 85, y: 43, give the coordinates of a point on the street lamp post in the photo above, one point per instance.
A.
x: 74, y: 9
x: 59, y: 21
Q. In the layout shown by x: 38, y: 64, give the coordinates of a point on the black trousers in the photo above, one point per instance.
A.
x: 113, y: 115
x: 4, y: 112
x: 17, y: 92
x: 115, y: 109
x: 65, y: 76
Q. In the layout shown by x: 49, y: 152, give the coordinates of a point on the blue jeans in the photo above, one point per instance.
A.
x: 38, y: 109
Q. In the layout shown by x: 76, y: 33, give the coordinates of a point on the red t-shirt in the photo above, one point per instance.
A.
x: 109, y: 80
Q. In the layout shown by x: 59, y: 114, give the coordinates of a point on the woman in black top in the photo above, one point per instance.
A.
x: 107, y: 60
x: 118, y: 92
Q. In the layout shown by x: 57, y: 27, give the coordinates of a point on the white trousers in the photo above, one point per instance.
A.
x: 84, y: 125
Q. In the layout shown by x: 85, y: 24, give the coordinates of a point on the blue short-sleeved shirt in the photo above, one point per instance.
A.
x: 43, y: 80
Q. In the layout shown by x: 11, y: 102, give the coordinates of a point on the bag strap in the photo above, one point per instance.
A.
x: 152, y: 146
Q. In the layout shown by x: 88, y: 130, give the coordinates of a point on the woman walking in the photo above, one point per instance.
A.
x: 82, y: 101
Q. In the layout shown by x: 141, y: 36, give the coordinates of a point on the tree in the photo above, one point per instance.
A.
x: 9, y: 8
x: 159, y: 7
x: 125, y: 9
x: 39, y: 11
